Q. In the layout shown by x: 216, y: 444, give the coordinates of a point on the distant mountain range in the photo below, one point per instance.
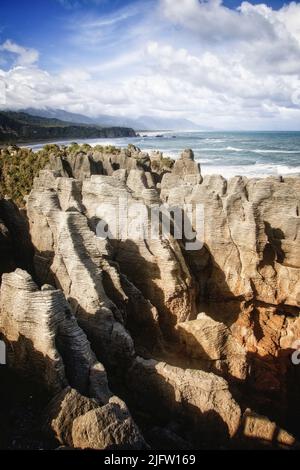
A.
x: 143, y: 123
x: 23, y: 127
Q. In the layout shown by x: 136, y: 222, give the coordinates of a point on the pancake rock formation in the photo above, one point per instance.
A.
x: 139, y: 340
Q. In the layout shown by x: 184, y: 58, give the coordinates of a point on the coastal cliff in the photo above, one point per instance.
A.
x: 142, y: 342
x: 21, y: 127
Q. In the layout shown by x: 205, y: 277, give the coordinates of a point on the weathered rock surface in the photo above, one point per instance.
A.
x: 138, y: 299
x: 67, y: 236
x: 186, y: 165
x: 109, y: 427
x: 44, y: 340
x: 257, y: 430
x: 155, y: 266
x: 201, y: 399
x: 78, y: 266
x: 80, y: 422
x: 184, y: 175
x: 46, y: 344
x: 68, y: 249
x: 248, y: 272
x: 64, y: 408
x: 213, y: 342
x: 253, y: 242
x: 81, y: 165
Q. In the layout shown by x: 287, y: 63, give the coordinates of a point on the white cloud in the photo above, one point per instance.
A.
x: 266, y: 38
x: 72, y: 4
x: 212, y: 21
x: 90, y: 30
x: 25, y: 55
x: 225, y: 68
x: 228, y: 75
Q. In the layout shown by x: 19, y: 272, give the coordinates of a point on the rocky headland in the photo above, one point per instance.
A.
x: 23, y: 127
x: 134, y: 344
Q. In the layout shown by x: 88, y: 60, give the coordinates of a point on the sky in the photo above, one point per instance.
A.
x: 227, y: 65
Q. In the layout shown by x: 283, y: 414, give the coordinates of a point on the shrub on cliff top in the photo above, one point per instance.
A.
x: 167, y: 162
x: 112, y: 149
x: 18, y: 168
x: 164, y: 163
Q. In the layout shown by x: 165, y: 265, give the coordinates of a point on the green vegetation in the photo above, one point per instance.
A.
x: 98, y: 148
x: 18, y: 167
x: 74, y: 148
x: 111, y: 149
x: 22, y: 127
x: 155, y: 165
x: 164, y: 163
x: 167, y: 162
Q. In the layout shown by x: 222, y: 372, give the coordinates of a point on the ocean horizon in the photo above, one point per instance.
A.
x: 228, y: 153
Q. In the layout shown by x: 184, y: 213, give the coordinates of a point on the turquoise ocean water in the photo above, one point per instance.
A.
x: 252, y: 154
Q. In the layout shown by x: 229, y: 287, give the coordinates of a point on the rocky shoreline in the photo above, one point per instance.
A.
x: 142, y: 343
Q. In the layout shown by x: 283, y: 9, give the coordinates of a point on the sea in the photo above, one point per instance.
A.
x: 251, y: 154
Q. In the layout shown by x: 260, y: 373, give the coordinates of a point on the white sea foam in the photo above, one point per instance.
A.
x: 274, y: 151
x: 223, y: 149
x: 234, y: 149
x: 286, y: 170
x: 258, y: 170
x: 237, y: 149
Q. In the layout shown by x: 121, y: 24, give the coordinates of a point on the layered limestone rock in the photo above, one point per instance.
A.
x: 64, y: 408
x: 81, y: 165
x: 248, y: 273
x: 45, y: 344
x: 70, y: 255
x: 155, y: 266
x: 186, y: 164
x: 202, y: 400
x: 257, y: 430
x: 184, y: 175
x: 77, y: 266
x: 213, y: 344
x: 252, y: 235
x: 79, y: 422
x: 109, y: 427
x: 44, y: 341
x: 80, y: 263
x: 138, y: 298
x: 139, y: 180
x: 270, y: 335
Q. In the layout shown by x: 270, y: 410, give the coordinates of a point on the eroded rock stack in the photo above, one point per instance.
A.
x: 249, y: 272
x: 133, y: 305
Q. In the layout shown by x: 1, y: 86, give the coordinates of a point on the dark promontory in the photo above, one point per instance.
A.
x: 21, y: 127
